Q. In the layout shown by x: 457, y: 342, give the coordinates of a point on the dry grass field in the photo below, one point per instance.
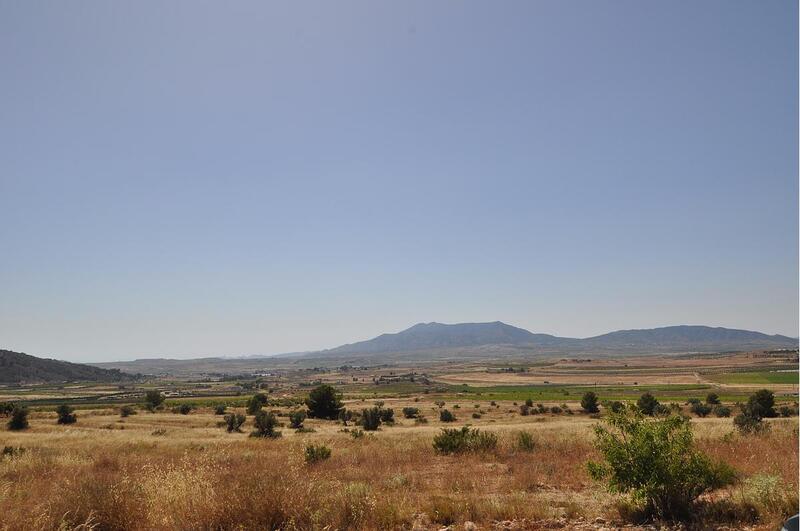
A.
x: 165, y: 470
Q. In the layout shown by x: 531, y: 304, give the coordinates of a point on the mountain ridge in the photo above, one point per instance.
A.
x: 18, y: 367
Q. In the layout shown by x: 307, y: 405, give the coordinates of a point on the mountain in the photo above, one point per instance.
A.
x: 690, y: 337
x: 16, y: 367
x: 441, y: 337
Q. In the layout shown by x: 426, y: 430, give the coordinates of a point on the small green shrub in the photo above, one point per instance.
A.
x: 446, y: 416
x: 66, y: 415
x: 387, y: 415
x: 476, y: 415
x: 183, y: 409
x: 324, y: 402
x: 524, y: 441
x: 647, y: 404
x: 356, y: 433
x: 127, y: 411
x: 220, y: 409
x: 555, y: 410
x: 255, y: 403
x: 234, y: 422
x: 656, y: 462
x: 589, y: 402
x: 371, y: 418
x: 296, y: 419
x: 410, y: 412
x: 315, y: 452
x: 454, y: 441
x: 712, y: 399
x: 265, y: 423
x: 700, y: 409
x: 722, y: 411
x: 524, y: 410
x: 19, y: 419
x: 153, y: 399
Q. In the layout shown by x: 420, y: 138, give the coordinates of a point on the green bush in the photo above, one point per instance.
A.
x: 647, y: 404
x: 265, y: 423
x: 656, y: 462
x: 529, y: 402
x: 153, y: 399
x: 6, y: 408
x: 127, y: 411
x: 722, y: 411
x: 356, y: 433
x: 371, y: 418
x: 589, y: 402
x: 524, y: 441
x: 324, y: 402
x: 616, y: 406
x: 524, y: 410
x: 446, y: 416
x: 555, y: 410
x: 761, y: 404
x: 296, y: 419
x: 387, y: 415
x: 19, y: 418
x: 220, y: 409
x: 712, y: 399
x: 476, y: 415
x: 700, y: 409
x: 255, y: 403
x: 454, y: 440
x: 410, y: 412
x: 183, y: 409
x: 786, y: 411
x: 66, y: 415
x: 234, y: 422
x: 316, y: 453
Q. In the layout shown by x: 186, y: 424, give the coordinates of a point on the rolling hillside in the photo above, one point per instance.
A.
x: 16, y: 367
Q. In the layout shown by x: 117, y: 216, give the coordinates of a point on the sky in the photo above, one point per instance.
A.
x: 194, y: 178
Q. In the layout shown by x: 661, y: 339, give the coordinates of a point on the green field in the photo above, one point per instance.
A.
x: 756, y: 377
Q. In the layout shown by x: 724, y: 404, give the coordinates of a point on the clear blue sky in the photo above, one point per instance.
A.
x: 202, y: 178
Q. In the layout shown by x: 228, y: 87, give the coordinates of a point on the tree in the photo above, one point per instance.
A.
x: 647, y: 404
x: 234, y: 422
x: 66, y: 415
x: 762, y: 404
x: 255, y: 403
x: 656, y: 461
x: 712, y: 399
x: 324, y: 402
x: 19, y: 418
x: 265, y: 423
x: 153, y: 399
x: 589, y: 402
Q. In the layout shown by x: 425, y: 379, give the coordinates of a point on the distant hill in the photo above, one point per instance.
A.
x: 446, y: 337
x: 438, y: 336
x: 16, y: 367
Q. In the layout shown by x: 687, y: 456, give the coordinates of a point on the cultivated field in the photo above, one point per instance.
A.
x: 166, y: 470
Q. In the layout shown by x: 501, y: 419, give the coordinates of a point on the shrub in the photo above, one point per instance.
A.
x: 439, y: 404
x: 555, y: 410
x: 410, y: 412
x: 6, y: 408
x: 234, y: 422
x: 387, y: 415
x: 19, y: 418
x: 296, y: 419
x: 529, y: 402
x: 356, y: 433
x: 656, y: 462
x: 700, y: 409
x: 345, y: 415
x: 589, y: 402
x: 616, y: 406
x: 153, y: 399
x: 476, y: 415
x: 722, y: 411
x: 324, y: 402
x: 265, y: 423
x: 127, y: 411
x: 762, y: 404
x: 524, y: 441
x: 453, y: 441
x: 747, y: 423
x: 371, y: 418
x: 524, y: 410
x: 220, y: 409
x: 255, y: 403
x: 317, y: 452
x: 184, y: 409
x: 420, y: 420
x: 446, y: 416
x: 66, y: 415
x: 712, y: 399
x: 647, y: 404
x: 785, y: 411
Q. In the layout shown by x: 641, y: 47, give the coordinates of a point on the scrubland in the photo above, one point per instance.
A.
x: 170, y: 471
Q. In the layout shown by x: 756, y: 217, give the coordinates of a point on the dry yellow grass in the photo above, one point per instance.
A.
x: 110, y: 473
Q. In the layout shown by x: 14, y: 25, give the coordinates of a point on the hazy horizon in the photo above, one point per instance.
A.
x: 193, y: 179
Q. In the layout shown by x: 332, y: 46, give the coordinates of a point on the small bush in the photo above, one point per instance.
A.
x: 296, y: 419
x: 446, y: 416
x: 524, y: 410
x: 529, y: 402
x: 589, y: 402
x: 616, y: 406
x: 420, y: 420
x: 722, y: 411
x: 712, y: 399
x: 647, y: 404
x: 555, y: 410
x: 316, y: 453
x: 453, y: 441
x: 700, y: 409
x: 183, y: 409
x: 524, y: 441
x: 786, y: 411
x: 66, y: 415
x: 265, y: 423
x: 220, y: 409
x: 127, y: 411
x: 153, y: 399
x: 19, y: 418
x: 410, y: 412
x: 387, y: 415
x: 324, y: 402
x: 234, y: 422
x: 356, y: 433
x: 656, y: 462
x: 371, y: 418
x: 476, y: 415
x: 255, y: 403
